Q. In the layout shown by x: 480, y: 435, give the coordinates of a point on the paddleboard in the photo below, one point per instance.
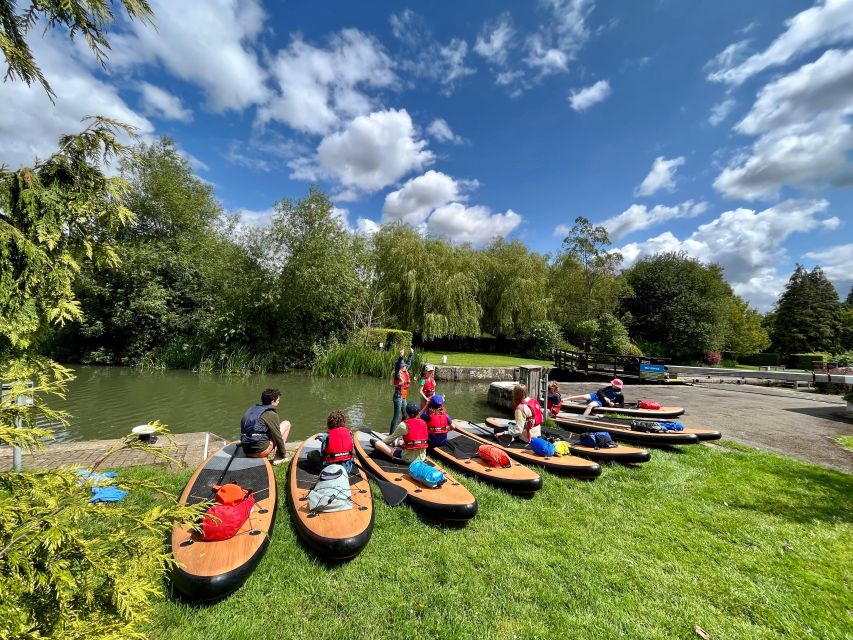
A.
x: 628, y: 410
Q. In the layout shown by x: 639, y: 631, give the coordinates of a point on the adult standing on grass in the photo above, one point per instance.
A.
x: 401, y: 381
x: 261, y: 430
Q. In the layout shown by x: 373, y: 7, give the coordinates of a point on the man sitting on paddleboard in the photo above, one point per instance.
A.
x: 409, y: 440
x: 262, y: 432
x: 609, y: 396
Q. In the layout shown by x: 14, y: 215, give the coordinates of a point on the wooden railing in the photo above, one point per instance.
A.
x: 602, y: 362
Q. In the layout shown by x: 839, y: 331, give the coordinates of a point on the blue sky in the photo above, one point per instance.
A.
x: 722, y: 129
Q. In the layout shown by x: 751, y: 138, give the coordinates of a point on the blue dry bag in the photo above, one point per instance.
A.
x: 425, y: 474
x: 542, y: 447
x: 672, y: 426
x: 597, y: 439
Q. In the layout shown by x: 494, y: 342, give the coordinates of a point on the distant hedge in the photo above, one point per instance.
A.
x: 761, y: 359
x: 390, y: 339
x: 805, y: 360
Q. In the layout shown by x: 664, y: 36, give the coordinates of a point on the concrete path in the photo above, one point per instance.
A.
x: 792, y: 423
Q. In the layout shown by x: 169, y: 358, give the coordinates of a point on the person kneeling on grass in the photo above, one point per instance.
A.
x: 261, y: 432
x: 528, y: 418
x: 336, y: 444
x: 555, y: 400
x: 609, y: 396
x: 437, y: 421
x: 409, y: 440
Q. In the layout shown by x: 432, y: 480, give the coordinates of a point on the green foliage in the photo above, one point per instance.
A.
x: 745, y: 332
x: 678, y: 303
x: 808, y: 314
x: 89, y: 18
x: 335, y: 359
x: 610, y: 336
x: 651, y: 349
x: 806, y: 360
x: 391, y: 339
x: 845, y: 337
x: 844, y: 359
x: 430, y: 285
x: 541, y: 338
x: 512, y: 287
x: 54, y: 216
x: 760, y: 359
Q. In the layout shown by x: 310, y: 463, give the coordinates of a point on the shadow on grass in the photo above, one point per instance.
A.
x: 830, y: 412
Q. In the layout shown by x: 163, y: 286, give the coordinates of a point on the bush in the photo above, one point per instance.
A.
x: 844, y: 359
x: 713, y: 358
x: 630, y: 349
x: 334, y: 359
x: 390, y: 339
x: 806, y: 360
x: 650, y: 348
x: 611, y: 336
x: 761, y: 359
x: 541, y: 338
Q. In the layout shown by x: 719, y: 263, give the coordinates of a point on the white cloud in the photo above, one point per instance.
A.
x: 441, y: 131
x: 802, y: 120
x: 583, y: 99
x: 366, y: 226
x: 208, y: 44
x: 661, y: 176
x: 561, y: 37
x: 638, y: 217
x: 837, y: 264
x: 442, y: 63
x: 747, y: 243
x: 477, y: 224
x: 252, y: 218
x: 159, y: 102
x: 30, y: 125
x: 495, y: 39
x: 317, y: 87
x: 827, y: 23
x: 721, y: 111
x: 416, y: 199
x: 368, y: 154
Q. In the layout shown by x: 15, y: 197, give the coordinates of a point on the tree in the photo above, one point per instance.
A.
x: 89, y: 18
x: 808, y: 314
x: 745, y: 332
x: 512, y: 287
x: 679, y: 303
x: 583, y: 283
x: 849, y: 300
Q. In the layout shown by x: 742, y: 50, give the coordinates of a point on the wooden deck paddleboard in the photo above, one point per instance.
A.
x: 628, y: 410
x: 578, y: 424
x: 621, y: 453
x: 461, y: 452
x: 450, y: 502
x: 702, y: 434
x: 570, y: 466
x: 212, y: 570
x: 338, y: 535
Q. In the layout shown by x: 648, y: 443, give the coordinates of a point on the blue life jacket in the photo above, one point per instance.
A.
x: 251, y: 427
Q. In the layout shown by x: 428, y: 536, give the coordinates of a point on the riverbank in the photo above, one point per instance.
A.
x: 740, y: 543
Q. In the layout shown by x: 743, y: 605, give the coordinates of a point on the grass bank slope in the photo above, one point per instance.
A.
x: 465, y: 359
x: 742, y: 543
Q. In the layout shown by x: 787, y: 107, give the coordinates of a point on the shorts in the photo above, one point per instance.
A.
x: 595, y: 403
x: 397, y: 454
x: 254, y: 450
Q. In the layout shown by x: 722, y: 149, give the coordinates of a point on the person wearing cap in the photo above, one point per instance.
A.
x: 437, y: 421
x: 609, y: 396
x: 408, y: 442
x: 401, y: 380
x: 427, y: 385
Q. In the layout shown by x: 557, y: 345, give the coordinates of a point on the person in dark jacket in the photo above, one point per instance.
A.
x: 609, y: 396
x: 262, y: 432
x: 401, y: 380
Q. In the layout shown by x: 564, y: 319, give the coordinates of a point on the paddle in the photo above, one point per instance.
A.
x: 391, y: 493
x: 227, y: 466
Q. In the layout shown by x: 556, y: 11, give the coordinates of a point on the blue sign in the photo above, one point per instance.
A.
x: 652, y: 371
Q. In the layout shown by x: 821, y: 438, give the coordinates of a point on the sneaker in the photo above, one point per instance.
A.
x: 373, y: 442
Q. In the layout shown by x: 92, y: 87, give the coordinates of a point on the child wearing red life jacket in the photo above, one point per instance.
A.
x: 437, y: 421
x: 427, y: 385
x: 409, y: 440
x: 528, y: 418
x: 336, y: 444
x: 554, y: 399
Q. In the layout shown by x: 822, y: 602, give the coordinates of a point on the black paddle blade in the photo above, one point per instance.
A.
x: 391, y: 493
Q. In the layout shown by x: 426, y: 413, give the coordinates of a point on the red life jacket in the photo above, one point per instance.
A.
x: 227, y: 519
x: 437, y: 423
x: 429, y: 387
x: 338, y: 446
x: 417, y: 436
x: 402, y: 380
x: 535, y: 419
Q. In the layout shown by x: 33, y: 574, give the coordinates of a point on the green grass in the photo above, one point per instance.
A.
x: 845, y: 441
x: 463, y: 359
x: 742, y: 543
x: 348, y: 360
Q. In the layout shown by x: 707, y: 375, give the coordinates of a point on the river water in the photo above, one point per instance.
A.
x: 106, y: 402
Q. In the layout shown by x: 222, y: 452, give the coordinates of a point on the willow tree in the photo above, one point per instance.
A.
x: 513, y: 287
x: 430, y: 285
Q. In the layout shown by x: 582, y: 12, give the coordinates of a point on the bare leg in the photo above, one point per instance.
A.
x: 384, y: 448
x: 580, y: 398
x: 589, y: 408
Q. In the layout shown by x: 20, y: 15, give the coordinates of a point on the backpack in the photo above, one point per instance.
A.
x: 597, y: 439
x: 561, y: 448
x: 224, y: 521
x: 648, y: 404
x: 426, y: 474
x: 331, y: 492
x: 542, y: 447
x: 493, y: 456
x: 646, y: 426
